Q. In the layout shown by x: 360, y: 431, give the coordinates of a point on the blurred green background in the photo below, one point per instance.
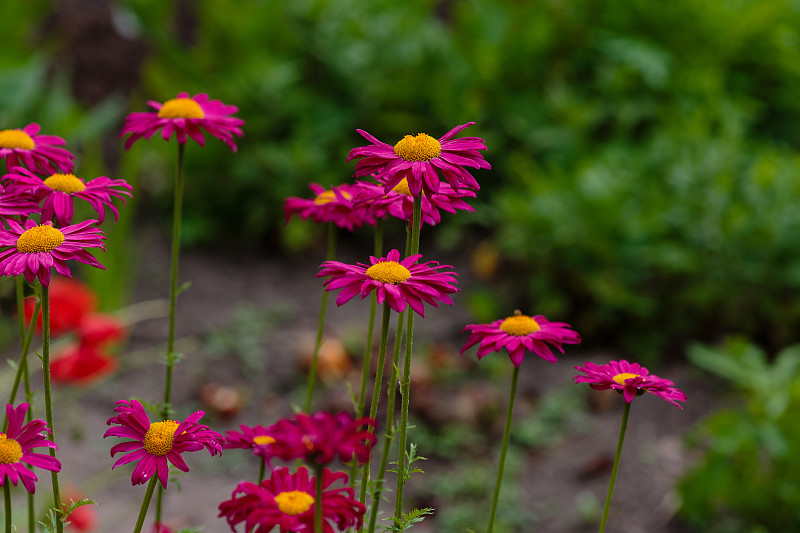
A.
x: 644, y: 154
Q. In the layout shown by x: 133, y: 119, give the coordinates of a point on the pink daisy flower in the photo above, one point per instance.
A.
x: 321, y: 437
x: 519, y: 334
x: 155, y: 444
x: 185, y: 115
x: 37, y: 152
x: 396, y: 282
x: 630, y: 379
x: 16, y: 456
x: 288, y: 501
x: 34, y: 249
x: 257, y: 439
x: 421, y: 159
x: 59, y: 191
x: 328, y: 205
x: 398, y: 202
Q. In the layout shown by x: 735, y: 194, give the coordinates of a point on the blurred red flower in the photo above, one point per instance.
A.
x: 70, y: 302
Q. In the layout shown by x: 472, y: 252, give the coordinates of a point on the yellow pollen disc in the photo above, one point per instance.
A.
x: 159, y: 437
x: 10, y: 450
x: 16, y: 139
x: 519, y: 325
x: 326, y: 197
x: 67, y: 183
x: 419, y: 147
x: 402, y: 187
x: 263, y: 439
x: 39, y: 239
x: 388, y: 272
x: 181, y: 108
x: 625, y: 376
x: 294, y: 502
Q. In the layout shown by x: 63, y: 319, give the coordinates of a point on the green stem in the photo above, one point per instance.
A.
x: 367, y: 360
x: 376, y: 390
x: 148, y: 495
x: 262, y: 470
x: 365, y: 371
x: 26, y: 341
x: 506, y: 437
x: 7, y: 500
x: 406, y: 385
x: 48, y: 400
x: 312, y: 373
x: 390, y: 430
x: 622, y: 428
x: 318, y: 502
x: 177, y: 210
x: 177, y: 215
x: 31, y: 514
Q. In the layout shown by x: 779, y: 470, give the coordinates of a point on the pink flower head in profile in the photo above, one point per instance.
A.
x: 630, y: 379
x: 40, y: 153
x: 184, y: 116
x: 519, y: 334
x: 257, y: 439
x: 398, y: 202
x: 60, y: 190
x: 33, y: 249
x: 16, y: 444
x: 321, y: 437
x: 288, y: 501
x: 328, y: 205
x: 421, y: 159
x: 399, y: 283
x: 155, y: 443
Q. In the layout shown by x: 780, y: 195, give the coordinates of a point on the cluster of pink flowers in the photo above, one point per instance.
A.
x: 37, y: 196
x: 288, y: 499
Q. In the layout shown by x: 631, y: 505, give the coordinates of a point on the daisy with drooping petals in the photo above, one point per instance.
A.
x: 34, y: 249
x: 630, y: 379
x: 328, y: 205
x: 257, y: 439
x: 59, y: 190
x: 288, y: 501
x: 37, y: 152
x: 185, y: 115
x: 420, y: 159
x: 16, y: 456
x: 156, y: 443
x: 519, y: 334
x: 399, y: 283
x: 321, y: 437
x: 398, y: 203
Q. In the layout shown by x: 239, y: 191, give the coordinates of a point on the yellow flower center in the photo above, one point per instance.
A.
x: 519, y: 325
x: 294, y: 502
x: 326, y: 197
x: 39, y: 239
x: 10, y: 450
x: 625, y: 376
x: 67, y: 183
x: 402, y: 187
x: 16, y: 139
x: 419, y: 147
x: 159, y: 437
x: 263, y: 439
x: 181, y: 108
x: 388, y: 272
